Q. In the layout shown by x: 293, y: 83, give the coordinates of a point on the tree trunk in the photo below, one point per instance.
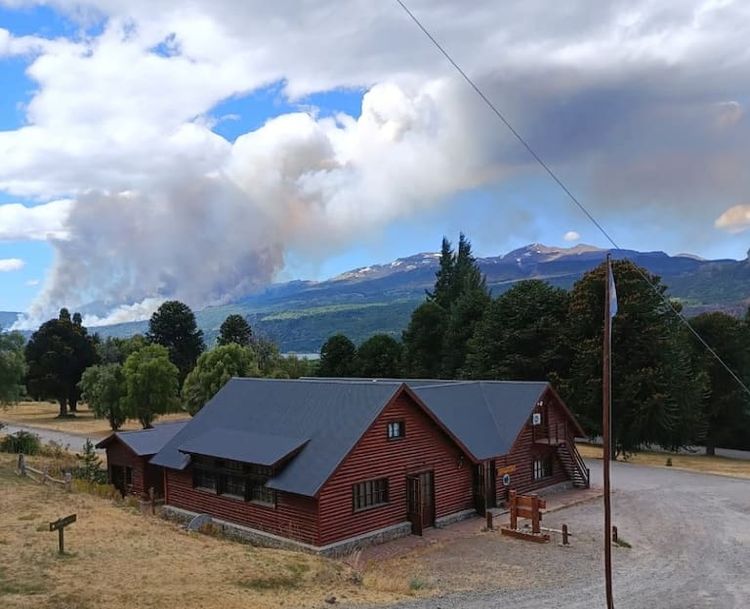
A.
x: 73, y: 403
x: 63, y: 407
x: 710, y: 447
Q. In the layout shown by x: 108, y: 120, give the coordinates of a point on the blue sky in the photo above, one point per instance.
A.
x: 126, y: 112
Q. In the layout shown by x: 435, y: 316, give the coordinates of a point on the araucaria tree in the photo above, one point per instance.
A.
x: 725, y: 408
x: 104, y: 390
x: 151, y: 384
x: 337, y: 357
x: 654, y: 394
x: 173, y: 326
x: 522, y: 335
x: 12, y: 367
x: 235, y: 329
x: 56, y: 356
x: 213, y: 370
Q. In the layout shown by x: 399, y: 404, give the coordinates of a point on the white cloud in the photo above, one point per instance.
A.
x: 735, y: 219
x: 32, y: 283
x: 572, y: 235
x: 616, y: 94
x: 11, y: 264
x: 21, y: 223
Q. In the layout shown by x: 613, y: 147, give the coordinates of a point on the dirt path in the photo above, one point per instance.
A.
x: 74, y: 442
x: 691, y: 548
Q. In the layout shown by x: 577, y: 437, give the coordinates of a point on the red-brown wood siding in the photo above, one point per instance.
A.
x: 525, y: 449
x: 119, y: 454
x: 424, y: 447
x: 294, y: 516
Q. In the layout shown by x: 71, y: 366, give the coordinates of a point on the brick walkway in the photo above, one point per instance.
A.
x: 461, y: 530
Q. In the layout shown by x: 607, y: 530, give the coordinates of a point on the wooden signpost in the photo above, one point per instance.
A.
x: 59, y: 526
x: 526, y: 506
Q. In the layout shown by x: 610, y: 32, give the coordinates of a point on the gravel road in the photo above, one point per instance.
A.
x: 73, y: 441
x: 691, y: 549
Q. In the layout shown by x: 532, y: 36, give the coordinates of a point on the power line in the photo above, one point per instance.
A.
x: 567, y: 191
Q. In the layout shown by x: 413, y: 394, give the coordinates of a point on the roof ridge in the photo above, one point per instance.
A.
x: 489, y: 410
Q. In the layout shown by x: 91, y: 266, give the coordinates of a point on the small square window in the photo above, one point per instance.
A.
x: 396, y: 429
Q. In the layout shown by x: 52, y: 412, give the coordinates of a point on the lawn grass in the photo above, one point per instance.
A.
x: 720, y: 466
x: 120, y: 559
x: 44, y: 416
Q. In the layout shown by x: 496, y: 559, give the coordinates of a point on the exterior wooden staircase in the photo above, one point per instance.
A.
x: 574, y: 464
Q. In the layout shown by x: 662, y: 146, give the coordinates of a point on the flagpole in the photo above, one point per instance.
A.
x: 607, y: 431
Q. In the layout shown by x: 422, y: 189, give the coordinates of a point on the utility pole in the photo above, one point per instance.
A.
x: 607, y: 428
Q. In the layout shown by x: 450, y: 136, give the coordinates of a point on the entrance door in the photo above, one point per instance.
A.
x: 420, y: 497
x: 117, y: 477
x: 484, y: 487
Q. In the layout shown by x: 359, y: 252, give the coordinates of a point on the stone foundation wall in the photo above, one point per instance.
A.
x: 259, y: 538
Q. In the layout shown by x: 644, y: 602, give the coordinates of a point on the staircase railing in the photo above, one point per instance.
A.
x: 579, y: 463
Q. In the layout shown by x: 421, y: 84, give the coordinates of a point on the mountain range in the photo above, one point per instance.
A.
x: 300, y: 315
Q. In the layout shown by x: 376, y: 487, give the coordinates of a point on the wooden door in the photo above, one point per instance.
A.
x: 479, y: 489
x: 414, y: 503
x: 427, y: 483
x: 117, y: 477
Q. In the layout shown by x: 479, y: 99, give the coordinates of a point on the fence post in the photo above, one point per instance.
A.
x: 45, y: 474
x: 152, y: 499
x: 22, y: 464
x: 535, y: 514
x: 513, y: 510
x: 489, y: 520
x: 565, y: 534
x: 68, y: 479
x: 614, y: 534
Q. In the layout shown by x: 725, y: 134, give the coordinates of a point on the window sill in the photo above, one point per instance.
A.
x: 205, y: 489
x: 370, y: 507
x: 271, y: 506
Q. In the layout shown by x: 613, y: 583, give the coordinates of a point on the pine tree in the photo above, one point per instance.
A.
x: 444, y: 276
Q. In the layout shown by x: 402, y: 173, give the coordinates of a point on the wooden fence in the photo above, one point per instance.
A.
x: 42, y: 476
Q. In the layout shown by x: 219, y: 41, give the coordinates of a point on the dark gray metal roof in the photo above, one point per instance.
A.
x: 331, y: 415
x: 243, y: 446
x: 485, y: 416
x: 263, y: 420
x: 146, y: 441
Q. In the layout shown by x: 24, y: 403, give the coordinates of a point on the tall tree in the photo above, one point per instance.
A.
x: 468, y: 301
x: 337, y: 357
x: 103, y: 388
x: 441, y: 295
x: 213, y: 370
x: 654, y: 395
x: 151, y: 384
x: 173, y: 326
x: 379, y: 357
x: 522, y: 335
x: 725, y: 405
x: 56, y: 356
x: 235, y: 329
x: 423, y: 341
x: 12, y: 367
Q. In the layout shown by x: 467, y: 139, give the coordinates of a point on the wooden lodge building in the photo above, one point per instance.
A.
x: 331, y: 464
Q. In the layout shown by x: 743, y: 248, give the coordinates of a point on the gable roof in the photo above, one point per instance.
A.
x: 144, y: 442
x: 319, y: 421
x: 331, y: 416
x: 486, y: 416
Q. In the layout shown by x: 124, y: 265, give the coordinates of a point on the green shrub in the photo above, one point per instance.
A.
x: 21, y: 442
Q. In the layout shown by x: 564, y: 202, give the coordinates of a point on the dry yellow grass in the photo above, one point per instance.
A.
x: 44, y: 415
x: 121, y: 559
x: 720, y: 466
